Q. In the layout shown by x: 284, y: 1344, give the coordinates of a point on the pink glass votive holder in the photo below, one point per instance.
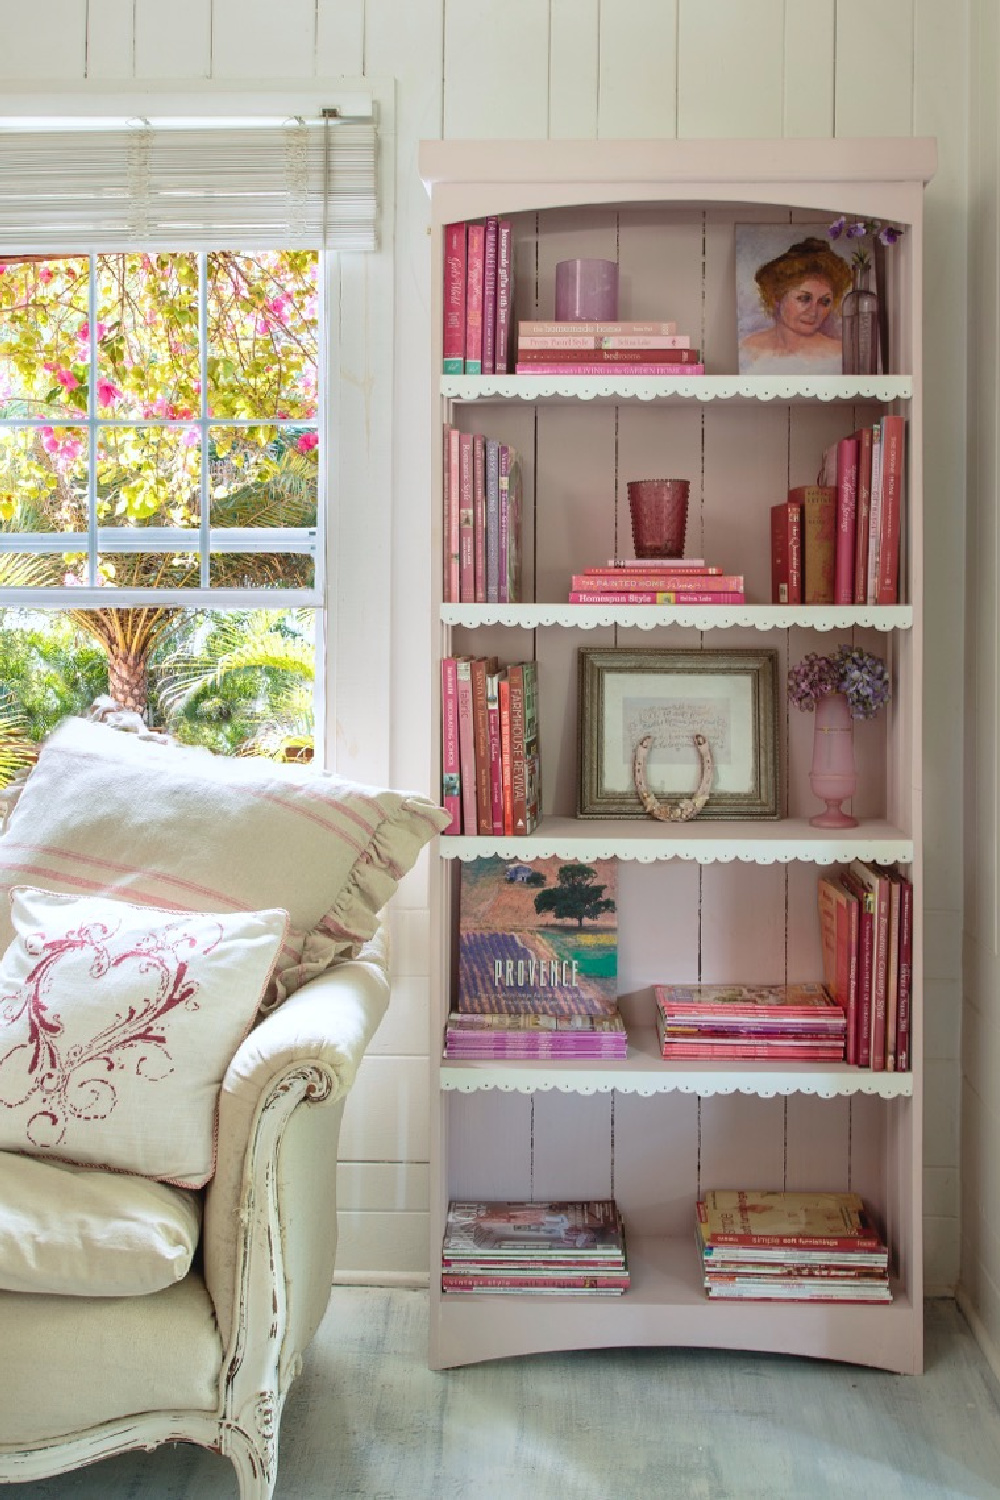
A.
x: 586, y: 291
x: 659, y: 510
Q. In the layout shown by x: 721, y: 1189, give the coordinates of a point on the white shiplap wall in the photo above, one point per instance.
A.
x: 580, y: 68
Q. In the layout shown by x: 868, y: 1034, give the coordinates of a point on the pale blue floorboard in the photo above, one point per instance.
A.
x: 368, y: 1419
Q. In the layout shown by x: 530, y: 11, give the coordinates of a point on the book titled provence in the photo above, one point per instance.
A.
x: 538, y: 937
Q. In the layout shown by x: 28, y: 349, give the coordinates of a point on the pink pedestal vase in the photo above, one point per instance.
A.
x: 833, y: 775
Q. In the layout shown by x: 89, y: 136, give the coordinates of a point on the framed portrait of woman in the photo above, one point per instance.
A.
x: 790, y: 283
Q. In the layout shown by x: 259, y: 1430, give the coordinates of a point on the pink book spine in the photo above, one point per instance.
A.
x: 619, y: 565
x: 474, y: 300
x: 592, y: 369
x: 479, y: 514
x: 864, y: 506
x: 655, y: 596
x: 466, y: 533
x: 678, y: 582
x: 874, y: 517
x: 490, y: 296
x: 626, y: 358
x: 528, y: 327
x: 504, y: 532
x: 905, y: 975
x: 506, y: 784
x: 496, y: 776
x: 891, y: 517
x: 505, y: 289
x: 866, y: 954
x: 451, y: 784
x: 453, y: 553
x: 880, y: 976
x: 454, y: 299
x: 847, y: 495
x: 604, y: 341
x: 467, y: 746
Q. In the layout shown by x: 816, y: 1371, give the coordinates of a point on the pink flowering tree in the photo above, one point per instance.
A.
x: 166, y: 441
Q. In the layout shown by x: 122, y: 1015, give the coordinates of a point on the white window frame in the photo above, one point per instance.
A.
x: 355, y: 421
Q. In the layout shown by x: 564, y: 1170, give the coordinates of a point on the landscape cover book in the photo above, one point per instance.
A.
x: 538, y: 937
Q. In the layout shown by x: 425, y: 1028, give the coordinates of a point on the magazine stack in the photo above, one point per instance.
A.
x: 791, y: 1247
x: 535, y: 1249
x: 781, y: 1022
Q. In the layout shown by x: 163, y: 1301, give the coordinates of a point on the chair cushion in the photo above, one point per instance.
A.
x: 175, y: 827
x: 79, y: 1232
x: 117, y: 1023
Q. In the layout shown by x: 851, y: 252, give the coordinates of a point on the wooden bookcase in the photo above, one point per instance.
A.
x: 710, y: 901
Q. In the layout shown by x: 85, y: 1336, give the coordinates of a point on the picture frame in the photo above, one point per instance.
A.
x: 791, y: 280
x: 730, y: 696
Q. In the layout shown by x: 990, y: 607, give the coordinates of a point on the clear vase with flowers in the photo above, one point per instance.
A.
x: 845, y: 685
x: 863, y: 313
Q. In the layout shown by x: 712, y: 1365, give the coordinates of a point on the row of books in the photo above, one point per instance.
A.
x: 535, y: 1248
x: 630, y: 348
x: 838, y: 541
x: 791, y: 1247
x: 788, y: 1022
x: 490, y: 767
x: 866, y: 934
x: 478, y: 297
x: 672, y: 580
x: 482, y: 492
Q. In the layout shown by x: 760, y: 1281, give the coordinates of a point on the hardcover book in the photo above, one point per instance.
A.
x: 539, y: 937
x: 819, y: 540
x: 451, y: 782
x: 474, y: 300
x: 490, y: 296
x: 786, y: 553
x: 808, y: 1220
x: 505, y: 296
x: 890, y: 519
x: 454, y: 299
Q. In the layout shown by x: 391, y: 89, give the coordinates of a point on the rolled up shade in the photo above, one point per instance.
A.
x: 191, y: 186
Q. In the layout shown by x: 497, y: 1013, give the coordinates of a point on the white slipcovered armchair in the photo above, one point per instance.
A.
x: 209, y: 1359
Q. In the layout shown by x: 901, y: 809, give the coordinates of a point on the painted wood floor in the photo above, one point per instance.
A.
x: 367, y: 1418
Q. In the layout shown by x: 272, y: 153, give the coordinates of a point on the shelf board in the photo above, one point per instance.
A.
x: 698, y: 617
x: 616, y: 387
x: 706, y: 841
x: 644, y: 1072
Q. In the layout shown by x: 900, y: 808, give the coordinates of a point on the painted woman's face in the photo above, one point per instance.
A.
x: 805, y: 308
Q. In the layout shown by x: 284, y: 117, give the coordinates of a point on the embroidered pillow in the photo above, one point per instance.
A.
x: 117, y: 1024
x: 76, y: 1232
x: 174, y: 827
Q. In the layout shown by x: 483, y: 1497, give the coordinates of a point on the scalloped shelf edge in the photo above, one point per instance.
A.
x: 455, y: 1078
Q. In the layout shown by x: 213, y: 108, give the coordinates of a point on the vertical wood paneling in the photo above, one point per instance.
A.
x: 386, y: 1113
x: 489, y: 1152
x: 817, y: 1144
x: 659, y: 930
x: 742, y: 1142
x: 871, y: 98
x: 110, y: 38
x: 808, y: 73
x: 656, y: 1162
x: 496, y: 67
x: 730, y: 68
x: 250, y: 38
x: 637, y: 70
x: 572, y: 1145
x: 573, y: 68
x: 743, y: 924
x: 48, y: 42
x: 341, y: 28
x: 174, y: 41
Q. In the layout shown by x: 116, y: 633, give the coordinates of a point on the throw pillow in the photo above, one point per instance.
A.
x: 117, y: 1024
x: 179, y: 828
x: 77, y: 1232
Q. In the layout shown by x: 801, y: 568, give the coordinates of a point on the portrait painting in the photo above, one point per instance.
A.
x: 791, y: 280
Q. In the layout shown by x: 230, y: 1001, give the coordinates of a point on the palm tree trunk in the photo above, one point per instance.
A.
x: 127, y: 636
x: 128, y: 680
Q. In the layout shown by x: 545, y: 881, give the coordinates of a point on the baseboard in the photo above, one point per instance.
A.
x: 412, y: 1280
x: 979, y: 1332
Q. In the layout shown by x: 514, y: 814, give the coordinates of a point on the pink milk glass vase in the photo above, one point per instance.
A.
x: 833, y: 775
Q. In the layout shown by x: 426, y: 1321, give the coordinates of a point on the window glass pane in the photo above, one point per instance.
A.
x: 263, y: 476
x: 148, y: 476
x: 261, y: 570
x: 44, y: 334
x: 22, y: 570
x: 148, y: 570
x: 263, y: 326
x: 147, y: 336
x: 43, y: 478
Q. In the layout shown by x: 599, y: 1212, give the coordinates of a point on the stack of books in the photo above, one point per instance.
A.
x: 490, y: 763
x: 781, y: 1022
x: 667, y: 580
x: 866, y: 935
x: 629, y: 348
x: 791, y: 1247
x: 478, y: 297
x: 537, y: 962
x: 535, y: 1248
x: 837, y: 541
x: 482, y: 519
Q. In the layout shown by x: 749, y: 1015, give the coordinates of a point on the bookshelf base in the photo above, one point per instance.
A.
x: 666, y: 1306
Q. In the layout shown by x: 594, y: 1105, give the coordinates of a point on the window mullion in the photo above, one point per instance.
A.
x: 92, y: 427
x: 206, y: 499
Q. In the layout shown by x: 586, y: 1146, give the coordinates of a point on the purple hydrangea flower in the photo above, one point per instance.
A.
x: 860, y: 676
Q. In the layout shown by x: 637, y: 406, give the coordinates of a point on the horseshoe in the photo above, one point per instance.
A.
x: 687, y: 807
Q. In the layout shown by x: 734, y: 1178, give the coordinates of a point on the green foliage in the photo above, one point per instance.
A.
x: 16, y: 749
x: 577, y: 897
x: 48, y: 669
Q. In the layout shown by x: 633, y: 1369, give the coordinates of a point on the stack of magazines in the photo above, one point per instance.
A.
x: 535, y: 1248
x: 791, y: 1247
x: 581, y: 1038
x: 789, y: 1022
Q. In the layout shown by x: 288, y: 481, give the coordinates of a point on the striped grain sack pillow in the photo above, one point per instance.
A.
x: 178, y: 828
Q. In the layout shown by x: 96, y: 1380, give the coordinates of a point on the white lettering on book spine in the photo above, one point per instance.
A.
x: 535, y: 974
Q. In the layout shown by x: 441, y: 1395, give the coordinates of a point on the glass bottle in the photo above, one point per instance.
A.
x: 859, y: 323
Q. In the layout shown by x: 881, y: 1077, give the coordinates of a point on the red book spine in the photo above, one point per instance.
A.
x: 863, y: 516
x: 656, y: 596
x: 866, y: 959
x: 905, y: 975
x: 452, y: 542
x: 505, y: 290
x: 881, y: 974
x: 454, y: 299
x: 847, y: 966
x: 466, y: 534
x: 819, y: 540
x: 479, y: 514
x: 496, y: 780
x: 847, y: 500
x: 481, y: 740
x: 605, y: 356
x: 506, y: 787
x: 467, y: 746
x: 474, y: 300
x: 451, y: 784
x: 892, y: 503
x: 490, y: 296
x: 786, y: 553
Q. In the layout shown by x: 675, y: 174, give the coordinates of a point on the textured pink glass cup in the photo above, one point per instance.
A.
x: 659, y: 509
x: 586, y: 291
x: 833, y: 776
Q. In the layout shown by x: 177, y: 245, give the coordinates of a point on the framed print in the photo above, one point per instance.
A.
x: 728, y: 696
x: 790, y: 283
